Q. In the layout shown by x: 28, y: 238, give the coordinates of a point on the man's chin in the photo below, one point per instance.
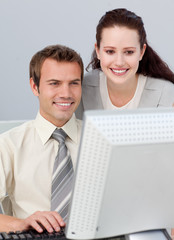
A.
x: 63, y: 119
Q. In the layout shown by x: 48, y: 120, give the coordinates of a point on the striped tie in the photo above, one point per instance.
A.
x: 62, y: 176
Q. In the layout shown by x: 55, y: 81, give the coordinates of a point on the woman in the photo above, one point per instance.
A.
x: 126, y: 71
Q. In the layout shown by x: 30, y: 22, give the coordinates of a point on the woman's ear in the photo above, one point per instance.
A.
x: 143, y: 51
x: 97, y: 51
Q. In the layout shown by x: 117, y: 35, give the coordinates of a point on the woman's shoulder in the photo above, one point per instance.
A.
x: 92, y: 78
x: 157, y: 83
x: 157, y: 93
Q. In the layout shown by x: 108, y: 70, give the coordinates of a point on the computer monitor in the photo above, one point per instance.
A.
x: 124, y: 180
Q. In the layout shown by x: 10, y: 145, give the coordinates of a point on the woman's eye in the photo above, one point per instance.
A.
x: 129, y: 52
x: 109, y: 51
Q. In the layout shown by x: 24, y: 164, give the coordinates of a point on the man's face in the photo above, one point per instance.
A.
x: 59, y: 90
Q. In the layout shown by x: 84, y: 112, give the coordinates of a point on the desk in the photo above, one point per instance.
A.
x: 149, y: 235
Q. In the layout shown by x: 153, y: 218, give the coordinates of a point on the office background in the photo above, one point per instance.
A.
x: 29, y: 25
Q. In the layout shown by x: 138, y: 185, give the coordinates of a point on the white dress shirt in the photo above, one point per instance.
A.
x: 27, y: 157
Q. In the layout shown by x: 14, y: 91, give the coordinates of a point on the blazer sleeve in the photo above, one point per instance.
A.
x: 91, y: 98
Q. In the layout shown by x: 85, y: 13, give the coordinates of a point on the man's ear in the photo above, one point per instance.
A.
x: 34, y: 88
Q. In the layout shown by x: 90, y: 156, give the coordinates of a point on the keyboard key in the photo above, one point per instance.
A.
x: 32, y: 234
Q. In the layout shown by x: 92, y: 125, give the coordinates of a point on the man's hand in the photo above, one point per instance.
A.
x: 49, y: 220
x: 40, y: 220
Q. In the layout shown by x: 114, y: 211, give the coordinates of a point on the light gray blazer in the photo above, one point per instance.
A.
x: 156, y: 93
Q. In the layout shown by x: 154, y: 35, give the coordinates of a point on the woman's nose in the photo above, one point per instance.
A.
x: 119, y: 60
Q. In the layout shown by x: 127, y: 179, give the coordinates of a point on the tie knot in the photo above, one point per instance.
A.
x: 59, y: 135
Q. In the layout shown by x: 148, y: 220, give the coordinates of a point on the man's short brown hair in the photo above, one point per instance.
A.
x: 57, y: 52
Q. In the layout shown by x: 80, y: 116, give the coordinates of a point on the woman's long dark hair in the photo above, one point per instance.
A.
x: 151, y: 64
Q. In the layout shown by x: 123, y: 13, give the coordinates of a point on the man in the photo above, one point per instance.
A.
x: 28, y: 152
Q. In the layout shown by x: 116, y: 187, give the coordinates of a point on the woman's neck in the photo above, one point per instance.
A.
x: 121, y: 94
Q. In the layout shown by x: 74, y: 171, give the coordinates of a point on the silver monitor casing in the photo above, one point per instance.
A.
x: 125, y: 174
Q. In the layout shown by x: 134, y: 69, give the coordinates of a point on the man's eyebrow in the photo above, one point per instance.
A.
x: 77, y: 79
x: 57, y: 80
x: 53, y: 80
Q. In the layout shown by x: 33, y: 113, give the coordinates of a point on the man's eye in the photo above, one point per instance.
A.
x: 75, y: 83
x: 53, y: 83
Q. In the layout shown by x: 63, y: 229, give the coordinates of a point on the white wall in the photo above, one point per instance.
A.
x: 27, y: 26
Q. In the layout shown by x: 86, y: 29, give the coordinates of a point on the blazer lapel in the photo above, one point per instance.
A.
x: 151, y: 94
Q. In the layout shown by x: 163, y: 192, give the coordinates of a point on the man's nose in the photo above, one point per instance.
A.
x: 65, y: 91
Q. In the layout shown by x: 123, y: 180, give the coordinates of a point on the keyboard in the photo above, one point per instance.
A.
x: 32, y: 234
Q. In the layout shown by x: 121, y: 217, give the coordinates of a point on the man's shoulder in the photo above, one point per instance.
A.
x: 17, y: 133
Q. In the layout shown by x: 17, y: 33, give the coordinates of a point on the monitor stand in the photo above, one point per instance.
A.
x: 149, y: 235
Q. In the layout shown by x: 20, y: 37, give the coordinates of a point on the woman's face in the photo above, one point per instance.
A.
x: 119, y: 54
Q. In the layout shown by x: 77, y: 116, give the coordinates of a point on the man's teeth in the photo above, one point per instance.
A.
x: 64, y: 104
x: 118, y: 71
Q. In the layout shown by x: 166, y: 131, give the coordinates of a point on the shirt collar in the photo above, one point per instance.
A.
x: 45, y: 128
